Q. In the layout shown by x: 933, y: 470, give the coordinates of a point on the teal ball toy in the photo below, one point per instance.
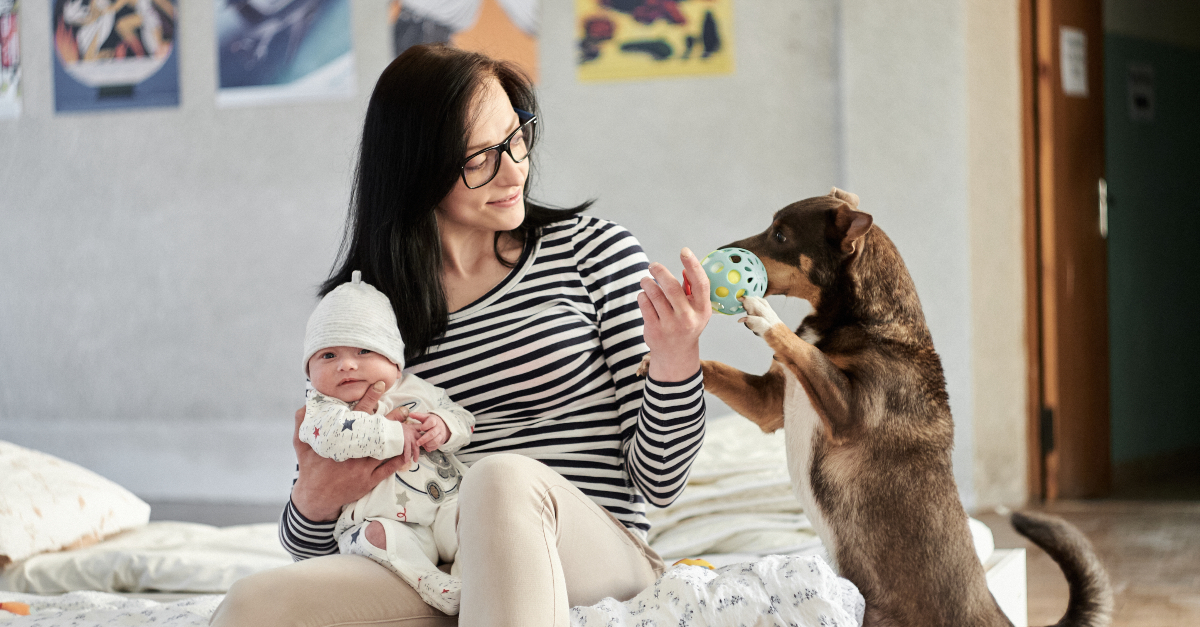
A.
x: 732, y: 274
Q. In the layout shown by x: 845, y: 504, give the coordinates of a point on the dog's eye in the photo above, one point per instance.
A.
x: 778, y: 236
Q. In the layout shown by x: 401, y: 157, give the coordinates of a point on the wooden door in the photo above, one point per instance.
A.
x: 1068, y: 274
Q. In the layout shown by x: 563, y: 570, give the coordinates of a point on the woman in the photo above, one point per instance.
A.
x: 536, y: 321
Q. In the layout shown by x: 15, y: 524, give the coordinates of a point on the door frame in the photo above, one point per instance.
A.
x: 1068, y: 430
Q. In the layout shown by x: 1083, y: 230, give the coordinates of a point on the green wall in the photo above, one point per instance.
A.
x: 1153, y: 172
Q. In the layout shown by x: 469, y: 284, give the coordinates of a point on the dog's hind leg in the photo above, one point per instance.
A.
x: 757, y: 397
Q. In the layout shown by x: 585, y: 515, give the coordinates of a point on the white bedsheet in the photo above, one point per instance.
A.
x: 101, y: 609
x: 777, y: 590
x: 160, y: 556
x: 774, y: 590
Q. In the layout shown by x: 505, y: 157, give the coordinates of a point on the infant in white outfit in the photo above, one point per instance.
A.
x: 351, y: 343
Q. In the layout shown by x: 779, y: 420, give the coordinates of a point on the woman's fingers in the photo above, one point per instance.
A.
x: 648, y: 312
x: 414, y: 450
x: 654, y: 292
x: 400, y: 414
x: 426, y: 438
x: 694, y: 273
x: 671, y: 287
x: 386, y: 468
x: 370, y: 400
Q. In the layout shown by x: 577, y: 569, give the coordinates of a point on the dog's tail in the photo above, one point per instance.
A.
x: 1091, y: 601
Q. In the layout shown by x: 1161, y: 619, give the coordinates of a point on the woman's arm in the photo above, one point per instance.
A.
x: 662, y: 416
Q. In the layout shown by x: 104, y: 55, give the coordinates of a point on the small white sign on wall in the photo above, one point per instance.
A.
x: 1072, y: 47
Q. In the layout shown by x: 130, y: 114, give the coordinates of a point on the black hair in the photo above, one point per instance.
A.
x: 413, y: 143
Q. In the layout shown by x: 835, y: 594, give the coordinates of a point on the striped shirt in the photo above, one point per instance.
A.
x: 547, y: 362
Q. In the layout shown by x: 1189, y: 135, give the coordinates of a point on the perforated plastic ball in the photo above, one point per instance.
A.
x: 732, y: 274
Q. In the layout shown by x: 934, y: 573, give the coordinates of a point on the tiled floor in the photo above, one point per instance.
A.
x: 1151, y: 550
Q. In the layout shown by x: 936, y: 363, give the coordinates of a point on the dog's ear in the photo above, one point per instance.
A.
x: 851, y: 225
x: 845, y: 196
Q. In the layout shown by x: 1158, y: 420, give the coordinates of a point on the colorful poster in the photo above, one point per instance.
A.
x: 504, y: 29
x: 114, y: 54
x: 623, y: 39
x: 10, y: 59
x: 277, y: 51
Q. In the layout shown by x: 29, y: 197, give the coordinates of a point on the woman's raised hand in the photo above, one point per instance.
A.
x: 674, y: 318
x: 324, y: 485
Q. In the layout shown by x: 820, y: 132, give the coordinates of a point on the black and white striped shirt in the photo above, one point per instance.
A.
x: 547, y: 362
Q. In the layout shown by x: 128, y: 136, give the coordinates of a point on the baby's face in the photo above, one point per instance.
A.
x: 345, y: 372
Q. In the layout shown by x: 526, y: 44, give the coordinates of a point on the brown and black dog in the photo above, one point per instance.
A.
x: 868, y: 429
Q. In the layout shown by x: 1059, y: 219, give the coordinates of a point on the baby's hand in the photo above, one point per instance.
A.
x: 434, y: 429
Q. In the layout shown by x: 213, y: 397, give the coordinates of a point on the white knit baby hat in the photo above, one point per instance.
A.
x: 354, y: 314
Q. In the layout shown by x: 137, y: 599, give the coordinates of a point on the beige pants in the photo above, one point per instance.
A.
x: 531, y: 546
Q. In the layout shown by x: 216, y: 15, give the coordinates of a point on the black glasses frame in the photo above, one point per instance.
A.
x: 527, y: 121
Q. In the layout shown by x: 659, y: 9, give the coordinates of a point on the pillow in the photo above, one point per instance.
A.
x: 48, y: 504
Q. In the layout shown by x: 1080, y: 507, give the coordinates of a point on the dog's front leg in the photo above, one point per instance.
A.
x: 757, y: 397
x: 827, y: 386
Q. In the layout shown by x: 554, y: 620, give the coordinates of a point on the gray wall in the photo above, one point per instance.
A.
x: 157, y: 267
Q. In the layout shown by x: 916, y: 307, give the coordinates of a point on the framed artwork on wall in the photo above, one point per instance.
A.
x: 629, y: 39
x: 10, y: 59
x: 504, y: 29
x: 279, y: 51
x: 114, y: 54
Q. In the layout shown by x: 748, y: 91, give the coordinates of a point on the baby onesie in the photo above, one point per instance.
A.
x: 417, y: 506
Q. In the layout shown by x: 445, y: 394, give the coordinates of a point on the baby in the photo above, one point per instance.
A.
x: 351, y: 343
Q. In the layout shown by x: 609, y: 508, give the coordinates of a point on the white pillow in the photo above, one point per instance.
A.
x: 48, y: 504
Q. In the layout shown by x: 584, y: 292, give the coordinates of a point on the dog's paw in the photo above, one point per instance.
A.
x: 759, y: 315
x: 644, y: 367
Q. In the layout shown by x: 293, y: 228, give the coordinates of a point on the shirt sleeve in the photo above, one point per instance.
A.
x: 662, y: 424
x: 304, y: 538
x: 339, y: 433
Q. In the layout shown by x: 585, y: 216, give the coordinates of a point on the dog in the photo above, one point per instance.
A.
x: 867, y: 423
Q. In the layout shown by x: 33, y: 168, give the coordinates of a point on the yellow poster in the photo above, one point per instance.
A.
x: 623, y: 39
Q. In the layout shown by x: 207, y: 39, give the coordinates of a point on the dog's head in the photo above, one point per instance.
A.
x: 808, y: 244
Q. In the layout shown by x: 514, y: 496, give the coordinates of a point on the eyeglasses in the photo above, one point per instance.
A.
x: 481, y: 167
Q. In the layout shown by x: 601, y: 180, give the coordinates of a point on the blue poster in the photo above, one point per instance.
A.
x: 114, y: 54
x: 273, y: 51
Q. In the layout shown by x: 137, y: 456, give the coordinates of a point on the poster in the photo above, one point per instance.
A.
x: 114, y: 54
x: 626, y: 39
x: 504, y: 29
x: 278, y: 51
x: 10, y: 59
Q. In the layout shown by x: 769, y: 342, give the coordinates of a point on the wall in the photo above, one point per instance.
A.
x: 159, y: 265
x: 158, y: 268
x: 998, y: 351
x: 1154, y: 222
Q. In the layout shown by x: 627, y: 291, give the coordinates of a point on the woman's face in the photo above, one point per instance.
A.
x: 500, y: 204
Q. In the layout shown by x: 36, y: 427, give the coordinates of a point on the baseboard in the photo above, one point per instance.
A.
x: 226, y: 462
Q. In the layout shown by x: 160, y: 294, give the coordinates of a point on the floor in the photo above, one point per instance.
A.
x: 1151, y: 550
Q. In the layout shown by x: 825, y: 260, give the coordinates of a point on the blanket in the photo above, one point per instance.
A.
x: 102, y: 609
x: 780, y: 590
x: 777, y: 590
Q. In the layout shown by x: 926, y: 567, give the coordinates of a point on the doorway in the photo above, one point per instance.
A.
x: 1152, y: 154
x: 1112, y: 207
